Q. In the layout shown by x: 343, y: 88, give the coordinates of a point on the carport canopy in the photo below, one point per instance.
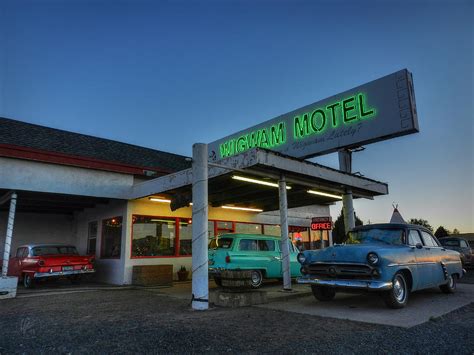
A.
x: 237, y: 181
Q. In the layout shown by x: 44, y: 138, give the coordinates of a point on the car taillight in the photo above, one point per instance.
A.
x: 41, y: 263
x: 227, y: 259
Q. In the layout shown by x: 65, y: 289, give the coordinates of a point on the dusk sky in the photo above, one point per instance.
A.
x: 167, y: 74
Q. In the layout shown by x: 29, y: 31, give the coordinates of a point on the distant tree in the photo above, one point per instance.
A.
x: 441, y: 232
x: 421, y: 222
x: 338, y: 232
x: 455, y: 231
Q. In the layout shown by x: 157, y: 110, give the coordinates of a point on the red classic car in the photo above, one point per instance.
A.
x: 40, y: 261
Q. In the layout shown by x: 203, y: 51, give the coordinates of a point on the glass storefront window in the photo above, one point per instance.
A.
x: 92, y: 238
x: 269, y: 229
x: 111, y: 237
x: 153, y: 236
x: 248, y: 228
x: 185, y: 238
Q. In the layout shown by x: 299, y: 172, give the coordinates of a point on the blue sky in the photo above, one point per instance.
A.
x: 166, y: 74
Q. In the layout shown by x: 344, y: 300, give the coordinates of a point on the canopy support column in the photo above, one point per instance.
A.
x: 8, y: 238
x: 285, y: 261
x: 345, y: 164
x: 200, y: 278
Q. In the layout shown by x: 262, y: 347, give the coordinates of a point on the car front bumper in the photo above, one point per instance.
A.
x: 349, y: 284
x: 39, y: 275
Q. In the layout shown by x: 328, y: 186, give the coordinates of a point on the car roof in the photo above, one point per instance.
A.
x: 452, y: 238
x: 391, y: 226
x: 244, y: 235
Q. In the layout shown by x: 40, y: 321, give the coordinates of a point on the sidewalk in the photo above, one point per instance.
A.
x: 274, y: 290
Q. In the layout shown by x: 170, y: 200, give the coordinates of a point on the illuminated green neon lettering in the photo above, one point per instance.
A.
x: 322, y: 115
x: 252, y: 139
x: 266, y: 138
x: 333, y: 112
x: 264, y: 142
x: 241, y: 144
x: 278, y: 134
x: 346, y: 109
x: 227, y: 148
x: 364, y: 114
x: 301, y: 127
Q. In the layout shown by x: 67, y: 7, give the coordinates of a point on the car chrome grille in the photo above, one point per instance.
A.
x: 340, y: 271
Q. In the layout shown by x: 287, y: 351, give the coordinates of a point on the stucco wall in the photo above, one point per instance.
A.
x: 37, y: 228
x: 108, y: 270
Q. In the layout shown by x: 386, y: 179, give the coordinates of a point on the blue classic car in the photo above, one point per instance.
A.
x: 394, y: 259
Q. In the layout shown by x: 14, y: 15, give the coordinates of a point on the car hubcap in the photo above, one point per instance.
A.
x: 451, y: 282
x: 399, y: 289
x: 255, y: 278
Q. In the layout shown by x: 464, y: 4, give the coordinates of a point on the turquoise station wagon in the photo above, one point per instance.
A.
x: 256, y: 252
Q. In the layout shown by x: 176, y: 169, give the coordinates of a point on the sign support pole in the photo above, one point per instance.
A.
x: 345, y: 164
x: 285, y: 261
x: 200, y: 277
x: 8, y: 238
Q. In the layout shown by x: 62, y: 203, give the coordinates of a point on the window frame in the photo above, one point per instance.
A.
x: 437, y: 244
x: 419, y: 236
x: 102, y: 242
x: 95, y: 237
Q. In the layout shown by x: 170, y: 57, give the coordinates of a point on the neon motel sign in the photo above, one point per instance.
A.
x: 381, y: 109
x: 349, y: 110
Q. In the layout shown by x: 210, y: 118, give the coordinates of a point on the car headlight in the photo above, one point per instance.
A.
x: 301, y: 258
x: 372, y: 258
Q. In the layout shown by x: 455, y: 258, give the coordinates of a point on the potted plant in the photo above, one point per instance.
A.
x: 183, y: 273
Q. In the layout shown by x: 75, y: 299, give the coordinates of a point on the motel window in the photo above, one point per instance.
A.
x: 185, y: 237
x: 111, y: 237
x: 92, y: 237
x: 153, y: 236
x: 248, y: 228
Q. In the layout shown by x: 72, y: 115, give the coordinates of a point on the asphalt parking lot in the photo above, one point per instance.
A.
x: 124, y: 320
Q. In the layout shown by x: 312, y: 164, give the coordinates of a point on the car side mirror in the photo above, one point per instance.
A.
x: 419, y: 246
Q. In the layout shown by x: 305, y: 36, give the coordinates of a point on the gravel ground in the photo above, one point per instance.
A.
x: 469, y: 277
x: 139, y: 321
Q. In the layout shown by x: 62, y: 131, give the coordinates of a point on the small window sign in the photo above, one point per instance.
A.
x: 321, y: 223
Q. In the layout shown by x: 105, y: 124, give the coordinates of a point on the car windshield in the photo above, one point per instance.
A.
x: 449, y: 242
x: 376, y: 235
x: 221, y: 243
x: 54, y: 250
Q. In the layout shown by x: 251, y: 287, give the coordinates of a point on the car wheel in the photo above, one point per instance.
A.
x: 218, y: 281
x: 450, y: 286
x: 28, y: 281
x: 323, y: 294
x: 256, y: 278
x: 397, y: 297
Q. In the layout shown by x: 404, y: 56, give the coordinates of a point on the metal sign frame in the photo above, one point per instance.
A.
x: 381, y: 109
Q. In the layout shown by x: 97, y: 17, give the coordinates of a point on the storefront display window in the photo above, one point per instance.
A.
x: 248, y: 228
x: 185, y: 238
x: 111, y: 238
x: 271, y: 229
x: 153, y: 236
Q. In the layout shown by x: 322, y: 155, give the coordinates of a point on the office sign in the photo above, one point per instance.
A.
x: 321, y: 223
x: 381, y: 109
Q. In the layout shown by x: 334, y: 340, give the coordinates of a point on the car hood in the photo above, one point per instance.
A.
x: 356, y: 253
